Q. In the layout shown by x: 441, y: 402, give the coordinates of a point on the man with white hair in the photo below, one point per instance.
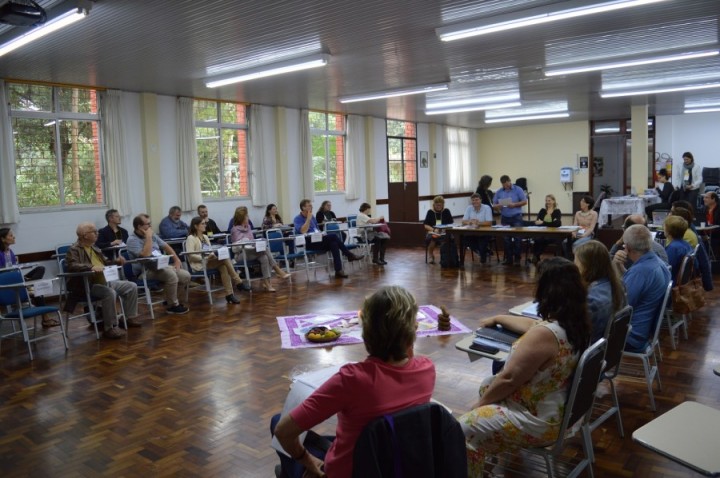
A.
x: 84, y: 256
x: 646, y: 282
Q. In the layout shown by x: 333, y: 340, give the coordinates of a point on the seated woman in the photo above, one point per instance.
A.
x: 586, y: 218
x: 242, y: 231
x: 198, y: 241
x: 8, y: 259
x: 523, y: 404
x: 549, y: 216
x: 272, y: 219
x: 378, y: 239
x: 437, y: 216
x: 665, y: 190
x: 606, y: 292
x: 691, y: 235
x: 392, y: 378
x: 324, y: 213
x: 676, y: 247
x: 232, y: 219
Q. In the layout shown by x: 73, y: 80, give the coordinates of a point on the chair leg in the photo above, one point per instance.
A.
x: 649, y: 379
x: 616, y: 404
x: 671, y: 329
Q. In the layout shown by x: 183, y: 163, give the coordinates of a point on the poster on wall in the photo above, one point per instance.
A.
x: 583, y: 162
x: 598, y: 166
x: 423, y: 159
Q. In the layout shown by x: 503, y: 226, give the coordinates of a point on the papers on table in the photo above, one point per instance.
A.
x: 569, y: 228
x: 531, y: 311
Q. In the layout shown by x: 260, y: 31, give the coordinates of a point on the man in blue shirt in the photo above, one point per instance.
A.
x: 306, y: 224
x: 477, y: 214
x: 172, y: 227
x: 646, y: 282
x: 509, y: 201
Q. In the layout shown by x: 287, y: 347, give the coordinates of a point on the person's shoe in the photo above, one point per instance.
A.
x: 483, y: 259
x: 353, y: 257
x: 376, y: 261
x: 382, y: 262
x: 508, y: 261
x: 231, y: 299
x: 244, y: 285
x: 341, y: 274
x: 177, y: 309
x: 113, y: 333
x: 134, y: 322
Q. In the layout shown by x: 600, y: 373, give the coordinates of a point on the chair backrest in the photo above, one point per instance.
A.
x: 276, y: 245
x: 582, y: 391
x: 424, y: 440
x: 8, y: 297
x: 598, y: 200
x: 616, y: 335
x: 655, y: 341
x: 687, y: 270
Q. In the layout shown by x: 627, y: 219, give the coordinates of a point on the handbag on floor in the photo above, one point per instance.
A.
x: 688, y: 297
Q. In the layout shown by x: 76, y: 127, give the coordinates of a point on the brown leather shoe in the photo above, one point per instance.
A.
x: 134, y: 322
x: 113, y: 333
x: 341, y: 274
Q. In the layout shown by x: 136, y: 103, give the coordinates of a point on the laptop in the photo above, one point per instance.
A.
x: 658, y: 217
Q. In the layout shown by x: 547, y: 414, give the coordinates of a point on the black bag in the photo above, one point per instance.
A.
x: 449, y: 254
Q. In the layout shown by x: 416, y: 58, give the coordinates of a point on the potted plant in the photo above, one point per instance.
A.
x: 607, y: 189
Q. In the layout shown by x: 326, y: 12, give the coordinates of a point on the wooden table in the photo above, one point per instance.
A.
x: 556, y: 233
x: 688, y: 434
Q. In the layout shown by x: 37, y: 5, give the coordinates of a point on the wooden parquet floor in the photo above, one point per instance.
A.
x: 192, y: 395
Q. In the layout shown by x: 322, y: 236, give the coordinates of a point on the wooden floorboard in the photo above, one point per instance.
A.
x: 193, y: 395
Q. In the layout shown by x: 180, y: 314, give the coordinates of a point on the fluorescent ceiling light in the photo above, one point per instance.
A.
x: 473, y: 102
x: 271, y: 69
x: 659, y: 90
x: 461, y: 109
x: 534, y: 16
x: 569, y: 70
x: 392, y: 93
x: 528, y: 118
x: 53, y: 25
x: 709, y: 109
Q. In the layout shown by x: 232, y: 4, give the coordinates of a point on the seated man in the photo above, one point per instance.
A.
x: 477, y: 214
x: 112, y: 234
x: 305, y: 223
x: 210, y: 225
x: 621, y: 261
x: 172, y: 227
x: 645, y: 282
x: 85, y: 256
x: 143, y: 242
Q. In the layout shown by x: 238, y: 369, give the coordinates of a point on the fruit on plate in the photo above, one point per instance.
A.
x: 322, y: 334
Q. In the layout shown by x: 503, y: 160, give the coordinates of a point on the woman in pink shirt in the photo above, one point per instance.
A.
x: 389, y: 380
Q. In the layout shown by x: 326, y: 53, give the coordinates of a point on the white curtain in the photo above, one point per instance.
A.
x: 189, y: 170
x: 9, y: 212
x: 354, y: 157
x: 306, y: 161
x: 116, y: 180
x: 261, y: 152
x: 458, y: 177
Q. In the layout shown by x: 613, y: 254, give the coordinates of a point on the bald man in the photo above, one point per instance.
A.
x: 84, y: 256
x: 619, y: 256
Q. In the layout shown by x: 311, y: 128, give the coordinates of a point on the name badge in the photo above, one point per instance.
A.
x: 156, y: 253
x: 260, y: 245
x: 205, y: 247
x: 43, y: 287
x: 163, y: 262
x: 316, y: 237
x: 438, y: 222
x: 223, y: 253
x: 299, y: 240
x: 111, y: 273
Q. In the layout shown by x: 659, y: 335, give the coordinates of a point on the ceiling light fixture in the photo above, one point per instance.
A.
x: 53, y: 25
x: 655, y: 91
x: 534, y: 16
x: 415, y: 90
x: 480, y: 107
x: 272, y: 69
x: 528, y: 118
x: 569, y: 70
x: 702, y: 110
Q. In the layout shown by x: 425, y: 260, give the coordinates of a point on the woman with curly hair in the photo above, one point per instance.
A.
x: 523, y: 404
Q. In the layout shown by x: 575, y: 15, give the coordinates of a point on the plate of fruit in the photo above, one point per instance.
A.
x: 322, y: 334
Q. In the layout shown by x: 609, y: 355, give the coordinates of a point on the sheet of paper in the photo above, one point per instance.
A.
x: 505, y: 201
x: 299, y: 240
x: 43, y: 287
x: 223, y: 253
x: 260, y: 245
x: 163, y: 262
x: 316, y: 237
x: 111, y: 273
x: 343, y: 226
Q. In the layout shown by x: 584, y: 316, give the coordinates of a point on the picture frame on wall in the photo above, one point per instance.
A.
x: 423, y: 159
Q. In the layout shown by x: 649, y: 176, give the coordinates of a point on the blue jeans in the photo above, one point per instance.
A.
x: 511, y: 245
x: 290, y: 467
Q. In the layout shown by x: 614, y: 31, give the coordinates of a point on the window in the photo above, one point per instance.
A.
x: 327, y: 132
x: 402, y: 151
x: 56, y: 135
x: 221, y: 136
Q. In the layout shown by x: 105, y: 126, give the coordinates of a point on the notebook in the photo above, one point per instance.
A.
x: 498, y: 335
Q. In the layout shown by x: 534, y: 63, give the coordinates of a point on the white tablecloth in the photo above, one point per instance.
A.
x: 625, y: 205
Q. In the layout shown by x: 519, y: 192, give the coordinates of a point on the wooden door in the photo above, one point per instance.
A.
x: 402, y: 179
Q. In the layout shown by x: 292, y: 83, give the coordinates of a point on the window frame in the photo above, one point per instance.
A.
x: 219, y: 125
x: 57, y: 116
x: 406, y: 163
x: 328, y: 133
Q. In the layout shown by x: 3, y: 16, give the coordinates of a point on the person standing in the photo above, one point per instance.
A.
x: 509, y: 201
x: 483, y: 189
x: 689, y: 179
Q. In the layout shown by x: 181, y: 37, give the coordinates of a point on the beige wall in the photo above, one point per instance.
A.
x: 536, y: 152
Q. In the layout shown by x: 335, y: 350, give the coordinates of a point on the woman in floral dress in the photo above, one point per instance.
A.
x: 523, y: 405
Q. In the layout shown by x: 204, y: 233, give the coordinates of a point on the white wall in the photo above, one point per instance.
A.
x: 697, y: 133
